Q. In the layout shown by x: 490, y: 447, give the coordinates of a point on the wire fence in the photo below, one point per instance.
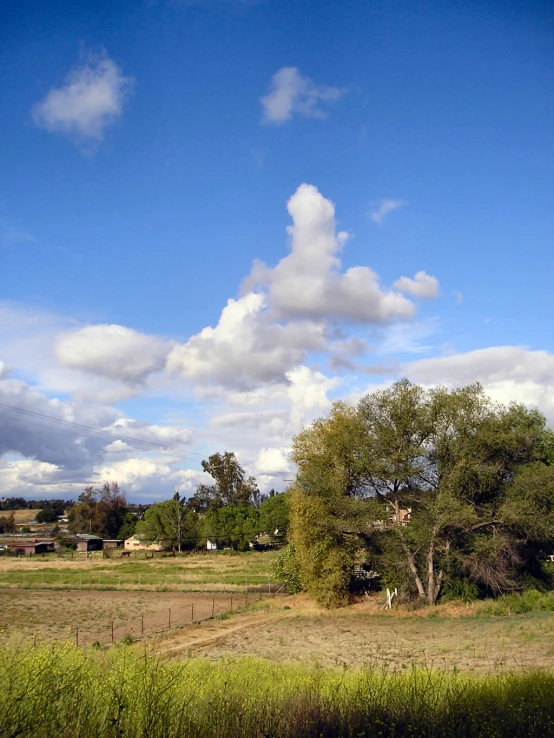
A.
x: 139, y: 625
x: 14, y: 579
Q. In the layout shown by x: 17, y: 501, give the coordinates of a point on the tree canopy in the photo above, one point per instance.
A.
x: 427, y: 487
x: 232, y: 525
x: 99, y: 511
x: 231, y: 485
x: 171, y: 521
x: 275, y: 514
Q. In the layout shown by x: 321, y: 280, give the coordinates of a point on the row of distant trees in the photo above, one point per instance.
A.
x: 20, y: 503
x: 230, y: 512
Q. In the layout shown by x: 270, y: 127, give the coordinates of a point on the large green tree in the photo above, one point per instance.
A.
x: 172, y: 521
x: 99, y: 511
x: 275, y: 514
x: 477, y: 479
x: 232, y: 525
x: 231, y: 485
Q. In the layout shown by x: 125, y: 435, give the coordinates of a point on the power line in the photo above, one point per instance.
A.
x: 82, y: 427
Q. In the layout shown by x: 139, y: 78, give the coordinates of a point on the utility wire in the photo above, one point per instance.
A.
x: 89, y: 428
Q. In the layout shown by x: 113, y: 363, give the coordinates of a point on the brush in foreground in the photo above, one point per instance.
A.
x: 60, y: 690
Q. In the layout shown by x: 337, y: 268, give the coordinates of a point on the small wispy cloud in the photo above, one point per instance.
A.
x: 90, y: 100
x: 14, y: 235
x: 292, y: 94
x: 458, y: 297
x: 384, y: 208
x: 408, y: 338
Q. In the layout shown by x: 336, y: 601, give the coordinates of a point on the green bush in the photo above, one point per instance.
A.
x: 460, y: 588
x: 285, y: 570
x: 517, y: 603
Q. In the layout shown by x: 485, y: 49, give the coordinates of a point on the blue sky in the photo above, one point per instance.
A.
x: 149, y: 151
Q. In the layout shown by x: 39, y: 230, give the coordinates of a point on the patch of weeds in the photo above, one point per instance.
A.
x: 128, y: 640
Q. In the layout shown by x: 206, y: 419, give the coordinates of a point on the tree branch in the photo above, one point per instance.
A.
x: 483, y: 525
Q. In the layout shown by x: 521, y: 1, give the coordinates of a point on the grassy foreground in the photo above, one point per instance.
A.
x: 52, y: 690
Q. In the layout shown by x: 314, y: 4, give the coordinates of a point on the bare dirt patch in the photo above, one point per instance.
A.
x: 364, y: 636
x: 60, y: 614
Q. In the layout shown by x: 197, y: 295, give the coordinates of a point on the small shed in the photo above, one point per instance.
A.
x: 89, y: 543
x: 112, y: 543
x: 212, y: 545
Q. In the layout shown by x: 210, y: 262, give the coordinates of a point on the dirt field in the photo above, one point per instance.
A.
x: 357, y: 636
x: 59, y: 614
x: 287, y: 629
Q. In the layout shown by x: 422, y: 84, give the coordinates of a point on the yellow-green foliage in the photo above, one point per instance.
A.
x: 56, y: 691
x: 324, y: 564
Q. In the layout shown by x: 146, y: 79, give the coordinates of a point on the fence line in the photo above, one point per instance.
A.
x: 136, y: 628
x: 137, y: 582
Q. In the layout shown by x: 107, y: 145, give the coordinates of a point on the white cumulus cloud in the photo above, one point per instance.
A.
x: 422, y: 285
x: 91, y: 98
x: 112, y: 351
x: 293, y: 94
x: 308, y: 282
x: 508, y: 373
x: 245, y: 348
x: 273, y: 461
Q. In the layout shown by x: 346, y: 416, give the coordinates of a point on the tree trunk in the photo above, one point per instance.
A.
x: 413, y: 569
x: 431, y: 574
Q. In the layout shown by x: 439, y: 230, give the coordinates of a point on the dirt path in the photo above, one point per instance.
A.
x: 214, y: 632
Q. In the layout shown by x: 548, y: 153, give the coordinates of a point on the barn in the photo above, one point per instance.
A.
x: 26, y: 548
x: 88, y: 543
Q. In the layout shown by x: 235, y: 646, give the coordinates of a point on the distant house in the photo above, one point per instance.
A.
x: 135, y: 543
x: 405, y: 516
x: 88, y: 543
x: 26, y: 548
x: 212, y: 545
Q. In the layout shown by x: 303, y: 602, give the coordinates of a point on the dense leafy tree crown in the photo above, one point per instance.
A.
x: 171, y: 522
x: 231, y: 487
x: 428, y: 485
x: 99, y: 511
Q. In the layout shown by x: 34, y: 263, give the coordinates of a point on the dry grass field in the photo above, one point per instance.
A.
x: 291, y: 630
x: 47, y: 614
x: 21, y: 516
x: 277, y: 629
x: 209, y: 572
